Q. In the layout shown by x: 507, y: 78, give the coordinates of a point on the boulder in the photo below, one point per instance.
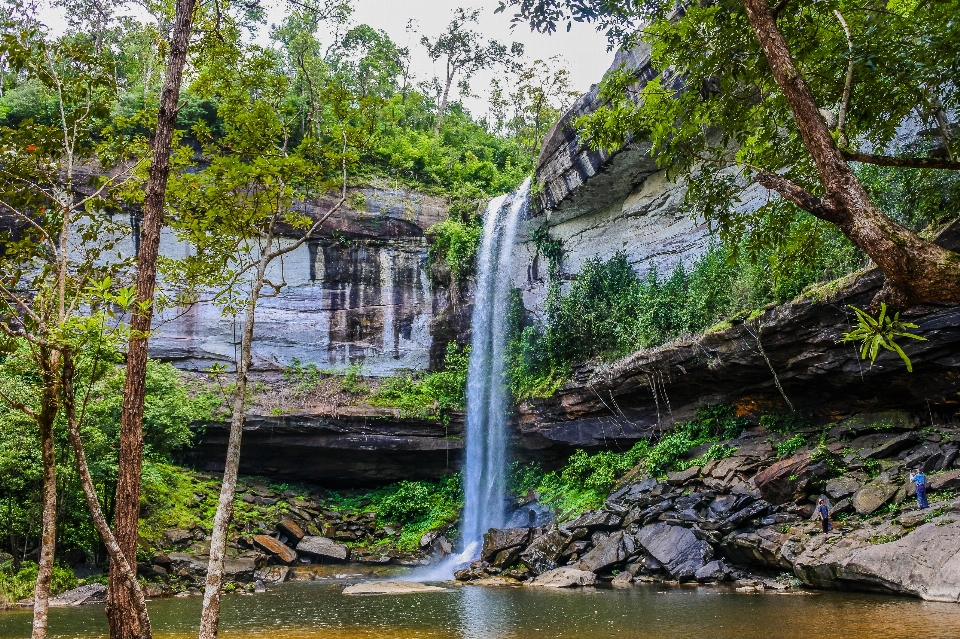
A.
x: 925, y: 563
x: 272, y: 574
x: 239, y: 569
x: 506, y: 558
x: 323, y: 547
x: 176, y: 536
x: 598, y: 520
x: 611, y: 551
x: 622, y: 580
x: 842, y: 486
x: 496, y: 540
x: 870, y: 422
x: 89, y: 594
x: 913, y: 519
x: 291, y: 529
x: 565, y: 577
x: 677, y: 548
x: 184, y: 564
x: 716, y: 570
x: 873, y: 496
x: 683, y: 476
x: 273, y: 547
x: 778, y: 484
x: 544, y: 551
x: 949, y: 480
x: 883, y: 444
x: 756, y: 509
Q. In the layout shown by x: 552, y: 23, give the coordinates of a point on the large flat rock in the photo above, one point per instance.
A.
x: 925, y: 563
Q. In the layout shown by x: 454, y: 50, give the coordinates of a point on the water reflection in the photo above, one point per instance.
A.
x: 319, y: 611
x: 481, y: 613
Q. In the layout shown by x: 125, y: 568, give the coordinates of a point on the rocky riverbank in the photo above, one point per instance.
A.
x: 749, y: 518
x: 278, y: 536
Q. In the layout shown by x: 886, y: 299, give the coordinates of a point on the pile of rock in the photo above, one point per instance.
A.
x: 278, y: 532
x: 731, y: 519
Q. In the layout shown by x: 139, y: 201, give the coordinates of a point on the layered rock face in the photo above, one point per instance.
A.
x: 358, y: 293
x: 798, y: 345
x: 636, y: 398
x: 598, y: 203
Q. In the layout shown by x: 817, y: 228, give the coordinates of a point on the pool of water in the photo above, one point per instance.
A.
x: 316, y: 610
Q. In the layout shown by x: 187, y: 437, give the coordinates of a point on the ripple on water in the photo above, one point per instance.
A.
x: 320, y: 611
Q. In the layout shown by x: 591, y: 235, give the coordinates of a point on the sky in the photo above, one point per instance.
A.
x: 583, y: 49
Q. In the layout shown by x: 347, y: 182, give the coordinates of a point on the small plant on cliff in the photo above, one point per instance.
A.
x: 434, y: 395
x: 790, y: 446
x: 874, y: 334
x: 454, y: 244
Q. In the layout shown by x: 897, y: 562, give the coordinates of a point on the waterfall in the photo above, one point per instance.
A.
x: 487, y: 398
x: 488, y: 402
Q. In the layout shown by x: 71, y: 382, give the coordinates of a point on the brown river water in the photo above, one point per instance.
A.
x: 319, y: 611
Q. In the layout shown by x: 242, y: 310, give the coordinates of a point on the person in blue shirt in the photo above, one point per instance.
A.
x: 824, y: 513
x: 920, y: 481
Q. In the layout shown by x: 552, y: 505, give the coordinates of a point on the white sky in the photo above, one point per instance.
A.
x: 583, y: 49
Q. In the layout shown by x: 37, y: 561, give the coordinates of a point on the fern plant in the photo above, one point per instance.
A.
x: 874, y: 334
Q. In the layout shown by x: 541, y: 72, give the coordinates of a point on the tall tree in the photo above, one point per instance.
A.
x: 787, y: 97
x: 57, y: 241
x: 247, y: 208
x: 121, y: 602
x: 464, y: 52
x: 540, y: 92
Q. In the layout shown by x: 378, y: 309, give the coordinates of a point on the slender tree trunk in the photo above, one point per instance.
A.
x: 120, y: 601
x: 117, y: 558
x: 916, y: 270
x: 48, y: 537
x: 210, y: 617
x: 442, y: 107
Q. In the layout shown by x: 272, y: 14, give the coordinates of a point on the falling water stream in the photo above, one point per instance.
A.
x: 485, y: 469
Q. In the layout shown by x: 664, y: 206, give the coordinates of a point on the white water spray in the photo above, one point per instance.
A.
x: 488, y: 403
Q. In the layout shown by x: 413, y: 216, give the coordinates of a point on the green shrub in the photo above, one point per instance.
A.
x: 790, y: 446
x: 610, y: 310
x: 19, y: 584
x: 409, y: 502
x: 455, y: 244
x: 586, y: 480
x: 429, y: 395
x: 417, y: 507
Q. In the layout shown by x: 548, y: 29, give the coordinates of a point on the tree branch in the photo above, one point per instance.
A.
x: 910, y: 163
x: 795, y: 193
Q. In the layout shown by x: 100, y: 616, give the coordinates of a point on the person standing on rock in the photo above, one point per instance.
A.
x: 920, y: 480
x: 824, y: 513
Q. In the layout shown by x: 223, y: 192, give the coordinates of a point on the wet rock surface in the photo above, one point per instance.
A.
x: 714, y: 524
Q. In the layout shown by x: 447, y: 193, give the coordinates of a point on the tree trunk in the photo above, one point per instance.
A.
x: 916, y: 270
x: 117, y: 558
x: 210, y: 616
x: 121, y: 610
x: 48, y: 537
x: 442, y: 107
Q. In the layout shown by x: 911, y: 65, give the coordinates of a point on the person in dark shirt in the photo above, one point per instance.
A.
x: 920, y: 480
x: 824, y: 513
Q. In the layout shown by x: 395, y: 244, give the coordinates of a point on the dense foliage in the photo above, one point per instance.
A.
x: 610, y: 310
x: 170, y: 409
x: 432, y: 394
x: 586, y: 480
x: 416, y: 507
